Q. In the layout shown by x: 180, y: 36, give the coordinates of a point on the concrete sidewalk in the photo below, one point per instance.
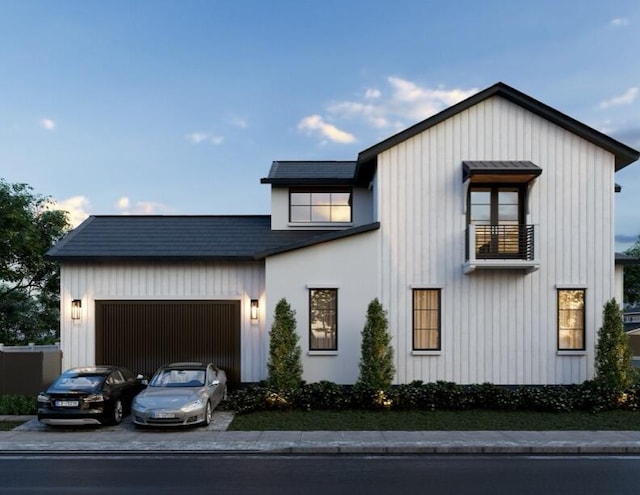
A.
x: 34, y: 437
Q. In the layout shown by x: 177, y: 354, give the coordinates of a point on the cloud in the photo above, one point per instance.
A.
x: 47, y: 124
x: 627, y: 98
x: 196, y: 137
x: 201, y: 137
x: 239, y: 122
x: 75, y: 206
x: 619, y: 22
x: 372, y: 93
x: 125, y: 207
x: 315, y: 124
x: 403, y: 103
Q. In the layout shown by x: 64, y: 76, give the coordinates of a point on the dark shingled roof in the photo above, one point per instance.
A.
x: 315, y: 173
x: 185, y: 238
x: 625, y: 259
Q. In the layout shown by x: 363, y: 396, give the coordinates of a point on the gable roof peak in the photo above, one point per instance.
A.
x: 624, y: 155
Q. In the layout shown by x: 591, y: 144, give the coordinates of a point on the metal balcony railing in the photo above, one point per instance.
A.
x: 504, y: 242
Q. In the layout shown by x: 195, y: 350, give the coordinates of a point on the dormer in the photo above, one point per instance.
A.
x: 318, y: 195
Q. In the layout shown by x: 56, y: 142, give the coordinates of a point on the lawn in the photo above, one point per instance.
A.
x: 433, y: 420
x: 9, y: 425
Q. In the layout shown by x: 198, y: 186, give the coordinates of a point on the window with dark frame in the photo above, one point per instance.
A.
x: 320, y: 205
x: 571, y: 319
x: 323, y: 319
x: 426, y: 319
x: 497, y: 211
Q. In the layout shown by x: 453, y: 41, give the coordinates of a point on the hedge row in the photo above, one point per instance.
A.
x: 18, y: 404
x: 588, y: 396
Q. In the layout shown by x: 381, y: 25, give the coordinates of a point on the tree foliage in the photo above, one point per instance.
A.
x: 285, y: 365
x: 632, y: 276
x: 613, y: 354
x: 29, y: 283
x: 376, y: 357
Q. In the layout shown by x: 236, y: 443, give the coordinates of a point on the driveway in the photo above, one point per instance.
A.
x: 220, y: 422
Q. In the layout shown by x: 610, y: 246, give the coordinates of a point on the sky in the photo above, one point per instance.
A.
x: 180, y: 107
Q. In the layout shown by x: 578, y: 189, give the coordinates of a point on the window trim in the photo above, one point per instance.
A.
x: 322, y: 190
x: 415, y: 349
x: 559, y: 290
x: 333, y: 349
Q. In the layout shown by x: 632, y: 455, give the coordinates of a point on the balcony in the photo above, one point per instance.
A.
x: 510, y: 247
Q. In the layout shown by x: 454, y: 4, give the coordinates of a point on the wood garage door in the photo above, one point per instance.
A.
x: 143, y: 335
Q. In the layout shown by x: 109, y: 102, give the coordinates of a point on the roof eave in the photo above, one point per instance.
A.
x: 331, y: 236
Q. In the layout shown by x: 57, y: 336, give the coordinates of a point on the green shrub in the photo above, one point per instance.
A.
x: 284, y: 366
x: 18, y: 405
x: 613, y: 354
x: 376, y: 355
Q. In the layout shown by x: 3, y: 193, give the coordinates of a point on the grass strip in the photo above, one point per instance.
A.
x: 433, y: 420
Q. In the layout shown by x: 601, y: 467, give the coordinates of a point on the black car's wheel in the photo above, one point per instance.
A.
x: 116, y: 414
x: 208, y: 414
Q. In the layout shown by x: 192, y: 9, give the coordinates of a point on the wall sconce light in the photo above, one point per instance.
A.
x: 254, y: 309
x: 76, y: 309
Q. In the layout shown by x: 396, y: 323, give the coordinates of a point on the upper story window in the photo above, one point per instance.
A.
x: 320, y: 205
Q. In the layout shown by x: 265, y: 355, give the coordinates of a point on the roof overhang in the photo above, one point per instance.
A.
x: 520, y: 172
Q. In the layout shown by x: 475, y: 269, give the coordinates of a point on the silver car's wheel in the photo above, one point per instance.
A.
x: 117, y: 413
x: 208, y: 414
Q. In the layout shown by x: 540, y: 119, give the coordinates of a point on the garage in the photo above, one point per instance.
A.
x: 143, y: 335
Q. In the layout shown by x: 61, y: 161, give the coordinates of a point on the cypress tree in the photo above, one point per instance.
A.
x: 284, y: 366
x: 613, y: 354
x: 376, y: 358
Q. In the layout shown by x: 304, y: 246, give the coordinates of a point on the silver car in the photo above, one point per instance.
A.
x: 180, y: 394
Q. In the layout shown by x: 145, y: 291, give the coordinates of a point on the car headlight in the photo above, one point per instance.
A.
x: 193, y: 405
x: 94, y: 398
x: 43, y: 398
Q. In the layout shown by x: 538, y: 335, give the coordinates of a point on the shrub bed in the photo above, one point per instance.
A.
x: 590, y: 396
x: 18, y: 405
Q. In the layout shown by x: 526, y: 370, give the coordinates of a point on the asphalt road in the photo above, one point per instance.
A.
x: 310, y: 475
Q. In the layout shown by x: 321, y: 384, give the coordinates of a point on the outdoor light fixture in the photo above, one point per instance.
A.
x: 254, y: 309
x: 76, y: 309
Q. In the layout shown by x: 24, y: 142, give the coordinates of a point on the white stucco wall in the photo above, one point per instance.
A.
x: 349, y: 265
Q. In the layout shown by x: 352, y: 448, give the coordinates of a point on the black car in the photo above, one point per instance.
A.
x: 89, y: 395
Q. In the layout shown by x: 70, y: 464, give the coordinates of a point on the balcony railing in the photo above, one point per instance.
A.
x: 500, y: 246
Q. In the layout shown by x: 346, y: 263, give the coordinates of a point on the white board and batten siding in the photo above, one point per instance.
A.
x: 498, y: 326
x: 169, y: 282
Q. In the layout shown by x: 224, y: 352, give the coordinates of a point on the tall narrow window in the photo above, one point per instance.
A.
x: 426, y: 319
x: 323, y: 319
x: 320, y: 206
x: 571, y: 319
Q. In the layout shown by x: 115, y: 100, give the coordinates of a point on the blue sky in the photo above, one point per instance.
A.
x: 179, y: 107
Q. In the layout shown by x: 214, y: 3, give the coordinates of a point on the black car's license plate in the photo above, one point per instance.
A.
x: 67, y: 403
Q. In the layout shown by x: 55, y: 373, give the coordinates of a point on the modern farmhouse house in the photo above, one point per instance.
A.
x: 486, y: 231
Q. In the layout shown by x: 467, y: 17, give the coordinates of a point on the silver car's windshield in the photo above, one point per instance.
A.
x: 178, y: 378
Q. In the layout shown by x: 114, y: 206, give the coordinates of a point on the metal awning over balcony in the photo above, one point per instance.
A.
x: 500, y: 171
x: 501, y: 247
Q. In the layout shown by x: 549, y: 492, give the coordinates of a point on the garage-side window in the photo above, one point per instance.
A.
x: 323, y: 319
